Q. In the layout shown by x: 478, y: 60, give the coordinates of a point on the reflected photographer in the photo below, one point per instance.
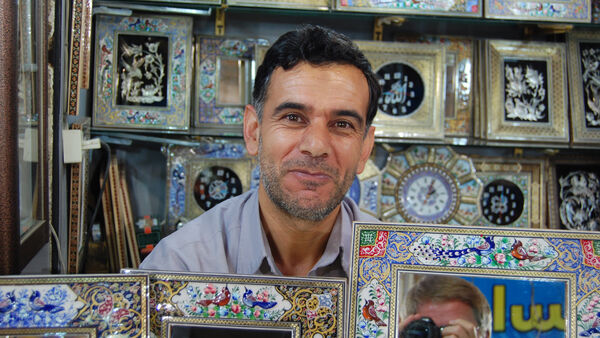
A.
x: 443, y: 306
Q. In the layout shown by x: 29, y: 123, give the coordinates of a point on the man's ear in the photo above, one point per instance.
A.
x: 365, y: 151
x: 251, y: 129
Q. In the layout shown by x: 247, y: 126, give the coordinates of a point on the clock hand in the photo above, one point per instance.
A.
x: 430, y: 191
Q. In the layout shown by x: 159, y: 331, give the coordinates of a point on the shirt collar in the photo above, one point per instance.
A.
x: 254, y: 255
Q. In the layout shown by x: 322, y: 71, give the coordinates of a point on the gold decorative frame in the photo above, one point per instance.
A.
x: 384, y: 252
x: 317, y: 305
x: 561, y: 11
x: 448, y: 8
x: 584, y: 50
x: 168, y: 324
x: 532, y: 175
x: 551, y: 93
x: 427, y: 121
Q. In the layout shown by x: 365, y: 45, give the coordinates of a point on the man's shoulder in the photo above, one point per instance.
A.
x: 355, y: 213
x: 223, y: 217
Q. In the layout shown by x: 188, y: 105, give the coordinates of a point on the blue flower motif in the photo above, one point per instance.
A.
x: 485, y: 260
x: 425, y: 239
x: 362, y: 325
x: 325, y: 300
x: 266, y: 315
x: 461, y: 260
x: 223, y: 311
x: 247, y: 312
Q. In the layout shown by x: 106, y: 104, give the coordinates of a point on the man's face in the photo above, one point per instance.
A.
x: 312, y: 140
x: 443, y: 313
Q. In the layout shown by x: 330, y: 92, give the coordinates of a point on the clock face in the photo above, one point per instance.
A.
x: 428, y: 194
x: 502, y: 202
x: 214, y: 185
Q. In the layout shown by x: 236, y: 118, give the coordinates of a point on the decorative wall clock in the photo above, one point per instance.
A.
x: 412, y: 79
x: 513, y: 191
x: 200, y: 177
x: 430, y: 185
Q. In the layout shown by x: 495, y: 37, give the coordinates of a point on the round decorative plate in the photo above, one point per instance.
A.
x: 430, y: 185
x: 214, y: 185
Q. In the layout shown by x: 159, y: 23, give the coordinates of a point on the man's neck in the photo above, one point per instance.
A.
x: 296, y: 244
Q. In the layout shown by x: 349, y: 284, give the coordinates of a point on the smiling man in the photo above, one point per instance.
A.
x: 314, y: 99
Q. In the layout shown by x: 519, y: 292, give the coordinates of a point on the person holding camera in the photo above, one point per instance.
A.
x: 445, y: 306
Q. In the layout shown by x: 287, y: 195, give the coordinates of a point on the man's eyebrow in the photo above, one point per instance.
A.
x: 351, y: 113
x: 290, y: 105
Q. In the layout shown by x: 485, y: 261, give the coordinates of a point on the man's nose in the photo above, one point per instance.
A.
x: 316, y: 140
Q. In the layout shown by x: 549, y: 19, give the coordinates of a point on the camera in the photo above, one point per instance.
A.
x: 421, y: 328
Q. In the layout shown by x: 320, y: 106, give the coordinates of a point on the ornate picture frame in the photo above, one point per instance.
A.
x: 224, y: 78
x: 143, y: 73
x: 574, y: 192
x: 459, y: 87
x: 366, y: 189
x: 212, y: 327
x: 470, y: 8
x: 584, y: 50
x: 430, y: 184
x: 318, y: 305
x: 109, y: 304
x: 558, y: 11
x: 527, y: 177
x: 526, y: 92
x: 412, y: 78
x: 384, y: 252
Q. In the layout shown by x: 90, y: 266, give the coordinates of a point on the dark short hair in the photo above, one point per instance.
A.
x: 318, y: 46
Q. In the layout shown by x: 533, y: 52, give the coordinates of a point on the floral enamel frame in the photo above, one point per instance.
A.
x: 469, y: 8
x: 383, y: 253
x: 526, y: 92
x: 224, y: 78
x: 143, y: 72
x: 412, y: 79
x: 211, y: 327
x: 107, y: 304
x: 318, y: 306
x: 558, y: 11
x: 513, y: 192
x: 584, y: 53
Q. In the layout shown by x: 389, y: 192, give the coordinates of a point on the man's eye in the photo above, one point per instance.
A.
x: 292, y: 117
x: 343, y: 124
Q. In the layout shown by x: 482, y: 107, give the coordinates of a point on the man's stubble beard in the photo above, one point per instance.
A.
x: 293, y: 205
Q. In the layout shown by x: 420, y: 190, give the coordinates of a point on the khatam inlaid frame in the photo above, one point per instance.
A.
x: 584, y: 54
x: 318, y: 305
x: 562, y: 11
x: 280, y: 328
x: 111, y: 304
x: 173, y: 63
x: 381, y: 251
x: 548, y: 95
x: 427, y: 121
x: 471, y: 8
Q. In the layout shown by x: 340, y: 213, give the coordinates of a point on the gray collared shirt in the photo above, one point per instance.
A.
x: 229, y: 238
